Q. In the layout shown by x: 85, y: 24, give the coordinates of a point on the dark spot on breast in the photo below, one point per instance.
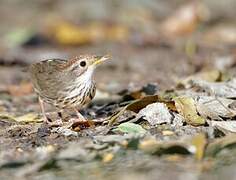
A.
x: 91, y: 95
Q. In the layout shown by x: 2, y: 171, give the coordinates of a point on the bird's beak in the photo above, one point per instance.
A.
x: 100, y: 59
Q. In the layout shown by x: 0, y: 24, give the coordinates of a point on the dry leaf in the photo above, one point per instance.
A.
x: 139, y: 104
x: 215, y: 108
x: 81, y: 125
x: 28, y: 118
x: 155, y: 113
x: 225, y: 126
x: 186, y: 106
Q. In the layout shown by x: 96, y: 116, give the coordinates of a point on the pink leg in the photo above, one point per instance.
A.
x: 79, y: 115
x: 45, y: 119
x: 59, y: 122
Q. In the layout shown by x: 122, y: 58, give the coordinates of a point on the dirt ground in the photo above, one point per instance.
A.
x: 149, y: 58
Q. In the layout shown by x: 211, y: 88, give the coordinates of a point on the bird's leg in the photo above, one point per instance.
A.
x: 60, y: 120
x: 45, y: 119
x: 79, y: 115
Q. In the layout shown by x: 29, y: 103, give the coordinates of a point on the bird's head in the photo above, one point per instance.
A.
x: 84, y: 66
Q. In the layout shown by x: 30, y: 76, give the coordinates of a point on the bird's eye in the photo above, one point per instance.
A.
x: 82, y: 63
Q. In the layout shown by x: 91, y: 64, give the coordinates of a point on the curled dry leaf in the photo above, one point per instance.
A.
x: 139, y: 104
x: 155, y: 113
x: 225, y: 126
x: 134, y: 106
x: 215, y: 108
x: 186, y: 106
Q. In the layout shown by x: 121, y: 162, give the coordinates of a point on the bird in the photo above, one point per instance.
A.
x: 65, y: 84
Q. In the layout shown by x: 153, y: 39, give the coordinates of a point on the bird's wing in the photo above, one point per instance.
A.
x: 48, y: 79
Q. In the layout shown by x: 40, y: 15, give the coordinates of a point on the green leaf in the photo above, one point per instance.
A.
x: 129, y: 127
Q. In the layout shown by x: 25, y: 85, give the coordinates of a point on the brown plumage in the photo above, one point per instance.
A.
x: 65, y: 84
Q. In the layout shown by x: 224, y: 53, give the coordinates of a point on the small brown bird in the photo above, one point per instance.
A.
x: 65, y: 83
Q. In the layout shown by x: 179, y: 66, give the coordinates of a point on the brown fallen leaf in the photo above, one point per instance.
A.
x: 81, y: 125
x: 139, y: 104
x: 136, y: 106
x: 186, y: 106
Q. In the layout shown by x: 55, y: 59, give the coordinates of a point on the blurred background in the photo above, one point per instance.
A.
x: 151, y: 41
x: 156, y: 41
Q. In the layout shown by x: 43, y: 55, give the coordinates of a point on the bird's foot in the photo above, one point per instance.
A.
x: 51, y: 123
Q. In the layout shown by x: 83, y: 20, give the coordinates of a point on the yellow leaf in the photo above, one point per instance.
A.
x: 187, y: 108
x: 27, y: 118
x: 199, y: 141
